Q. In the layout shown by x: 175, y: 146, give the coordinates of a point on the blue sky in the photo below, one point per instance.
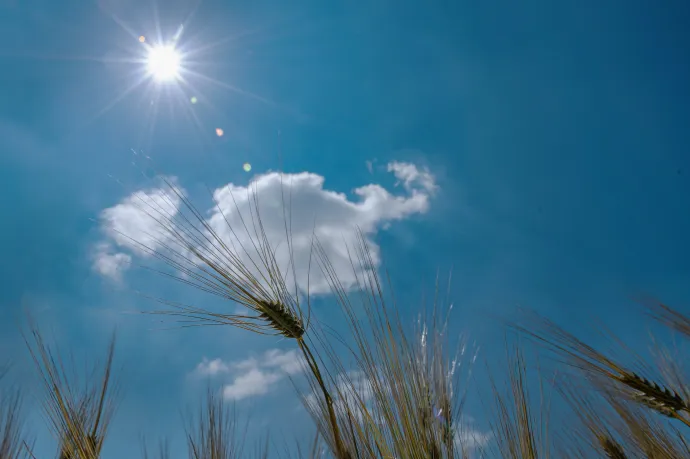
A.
x: 555, y: 133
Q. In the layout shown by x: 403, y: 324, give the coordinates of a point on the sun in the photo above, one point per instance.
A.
x: 163, y: 63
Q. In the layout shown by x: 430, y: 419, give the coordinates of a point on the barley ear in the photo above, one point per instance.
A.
x: 79, y: 414
x: 656, y: 397
x: 213, y: 434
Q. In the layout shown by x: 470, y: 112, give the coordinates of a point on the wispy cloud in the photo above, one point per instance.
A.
x: 469, y: 438
x: 412, y: 177
x: 355, y: 391
x: 252, y: 376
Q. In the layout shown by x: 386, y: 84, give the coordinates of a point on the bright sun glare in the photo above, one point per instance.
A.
x: 164, y: 63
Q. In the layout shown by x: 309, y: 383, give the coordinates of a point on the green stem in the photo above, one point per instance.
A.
x: 313, y: 366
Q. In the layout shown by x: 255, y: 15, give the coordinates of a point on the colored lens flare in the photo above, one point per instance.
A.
x: 219, y: 132
x: 193, y: 100
x: 247, y: 167
x: 142, y: 39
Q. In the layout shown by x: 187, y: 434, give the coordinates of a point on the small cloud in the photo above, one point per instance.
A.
x: 352, y: 389
x: 211, y: 367
x: 253, y: 382
x: 289, y: 362
x: 356, y: 382
x: 253, y: 376
x: 468, y: 438
x: 370, y: 166
x: 412, y: 178
x: 109, y: 263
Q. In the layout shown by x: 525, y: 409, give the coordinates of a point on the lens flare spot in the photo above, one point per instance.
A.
x: 142, y: 39
x: 193, y: 100
x: 219, y: 132
x: 247, y: 167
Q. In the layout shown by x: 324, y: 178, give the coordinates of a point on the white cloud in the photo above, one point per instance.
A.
x: 301, y: 198
x: 355, y: 382
x: 252, y: 376
x: 355, y: 388
x: 253, y: 382
x: 347, y: 385
x: 110, y: 264
x: 352, y: 393
x: 134, y: 222
x: 133, y: 225
x: 211, y: 367
x: 289, y: 362
x: 469, y: 438
x: 412, y: 178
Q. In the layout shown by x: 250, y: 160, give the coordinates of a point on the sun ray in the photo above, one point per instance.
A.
x: 122, y: 95
x: 152, y: 116
x: 233, y: 88
x: 248, y: 32
x: 77, y: 58
x: 123, y: 26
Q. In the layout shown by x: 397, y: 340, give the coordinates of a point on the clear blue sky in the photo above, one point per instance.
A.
x: 556, y: 134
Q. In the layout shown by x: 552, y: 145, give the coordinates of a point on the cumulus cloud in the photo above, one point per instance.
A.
x: 302, y: 199
x: 252, y: 376
x: 132, y: 223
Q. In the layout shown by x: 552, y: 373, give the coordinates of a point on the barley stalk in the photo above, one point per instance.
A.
x: 593, y: 363
x: 208, y: 262
x: 412, y: 394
